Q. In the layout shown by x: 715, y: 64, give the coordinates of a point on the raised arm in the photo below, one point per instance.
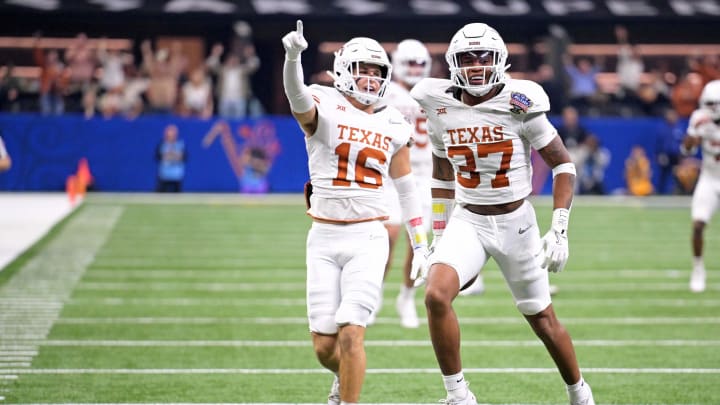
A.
x: 298, y: 94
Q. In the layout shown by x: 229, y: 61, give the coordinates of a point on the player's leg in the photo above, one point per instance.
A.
x: 515, y: 254
x: 365, y: 251
x: 704, y: 204
x: 697, y: 277
x: 323, y: 300
x: 456, y: 260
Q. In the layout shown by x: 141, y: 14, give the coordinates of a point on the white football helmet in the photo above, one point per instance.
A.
x: 479, y: 39
x: 710, y: 99
x: 346, y: 67
x: 411, y: 51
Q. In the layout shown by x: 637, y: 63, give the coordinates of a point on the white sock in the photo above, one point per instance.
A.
x: 698, y: 263
x: 456, y: 385
x: 577, y: 390
x: 407, y: 292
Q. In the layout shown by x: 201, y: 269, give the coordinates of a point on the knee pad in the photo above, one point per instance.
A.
x: 532, y: 307
x: 323, y: 324
x: 353, y: 313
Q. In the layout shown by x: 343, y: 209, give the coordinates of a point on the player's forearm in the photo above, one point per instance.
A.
x: 563, y: 190
x: 297, y: 92
x: 411, y: 209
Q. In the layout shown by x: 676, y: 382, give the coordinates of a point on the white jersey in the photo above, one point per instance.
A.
x: 702, y: 126
x: 349, y: 157
x: 487, y: 144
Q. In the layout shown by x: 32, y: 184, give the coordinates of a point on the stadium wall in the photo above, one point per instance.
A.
x: 121, y: 152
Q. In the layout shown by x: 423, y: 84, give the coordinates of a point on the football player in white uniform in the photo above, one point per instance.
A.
x: 704, y: 130
x: 411, y: 62
x: 352, y: 147
x: 482, y: 125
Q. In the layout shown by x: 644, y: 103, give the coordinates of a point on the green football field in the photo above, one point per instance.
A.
x: 201, y: 299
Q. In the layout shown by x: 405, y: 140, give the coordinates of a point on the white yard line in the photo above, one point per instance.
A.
x: 479, y: 301
x: 370, y: 343
x: 515, y: 320
x: 280, y: 403
x: 301, y: 371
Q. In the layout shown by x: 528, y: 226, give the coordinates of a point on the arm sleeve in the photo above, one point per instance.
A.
x: 297, y: 92
x: 538, y: 130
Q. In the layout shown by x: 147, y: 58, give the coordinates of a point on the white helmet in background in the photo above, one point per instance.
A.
x: 346, y: 68
x: 411, y: 52
x: 477, y: 38
x: 710, y: 99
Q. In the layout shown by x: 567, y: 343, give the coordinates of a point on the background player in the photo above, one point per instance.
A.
x: 411, y: 62
x: 704, y: 129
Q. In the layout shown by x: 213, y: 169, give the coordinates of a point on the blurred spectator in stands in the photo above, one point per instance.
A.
x: 234, y: 90
x: 630, y: 67
x: 234, y: 86
x: 571, y: 132
x: 162, y: 91
x: 9, y: 90
x: 584, y: 94
x: 707, y: 66
x: 556, y: 44
x: 171, y: 156
x: 5, y: 161
x: 654, y: 97
x: 112, y: 80
x: 686, y: 93
x: 89, y: 101
x: 54, y: 79
x: 669, y: 137
x: 135, y: 86
x: 81, y: 60
x: 553, y: 86
x: 113, y: 63
x: 638, y: 172
x: 196, y: 98
x: 595, y: 159
x: 573, y: 135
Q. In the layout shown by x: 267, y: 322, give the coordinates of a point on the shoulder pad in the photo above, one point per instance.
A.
x: 428, y: 88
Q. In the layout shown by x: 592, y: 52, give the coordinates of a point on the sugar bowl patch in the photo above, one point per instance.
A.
x: 519, y: 103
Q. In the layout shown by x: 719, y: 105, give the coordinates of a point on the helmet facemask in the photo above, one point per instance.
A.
x: 477, y: 59
x: 477, y: 71
x: 352, y: 64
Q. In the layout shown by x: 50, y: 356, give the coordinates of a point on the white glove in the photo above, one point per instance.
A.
x: 555, y: 250
x: 420, y: 266
x: 294, y: 42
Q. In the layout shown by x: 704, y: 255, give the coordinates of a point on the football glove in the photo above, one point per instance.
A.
x: 420, y: 266
x: 294, y: 42
x: 555, y: 250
